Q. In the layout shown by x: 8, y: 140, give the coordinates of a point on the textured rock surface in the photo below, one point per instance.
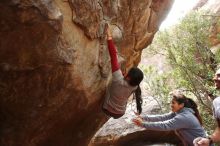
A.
x: 54, y: 65
x: 142, y: 138
x: 213, y: 6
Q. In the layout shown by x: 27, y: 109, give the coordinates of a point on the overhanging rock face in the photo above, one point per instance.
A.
x: 54, y: 65
x: 213, y: 10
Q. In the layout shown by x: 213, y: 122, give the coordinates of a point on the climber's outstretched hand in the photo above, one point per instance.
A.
x: 108, y: 31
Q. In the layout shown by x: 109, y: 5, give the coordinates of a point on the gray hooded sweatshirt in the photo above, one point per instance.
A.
x: 184, y: 122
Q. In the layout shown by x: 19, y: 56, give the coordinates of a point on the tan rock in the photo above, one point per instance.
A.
x: 54, y: 66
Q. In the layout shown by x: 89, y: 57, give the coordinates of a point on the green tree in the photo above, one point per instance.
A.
x: 186, y: 47
x: 157, y: 86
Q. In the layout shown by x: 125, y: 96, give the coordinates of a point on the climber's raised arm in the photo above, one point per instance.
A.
x: 112, y: 50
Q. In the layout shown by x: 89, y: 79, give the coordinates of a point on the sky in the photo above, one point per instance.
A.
x: 178, y: 10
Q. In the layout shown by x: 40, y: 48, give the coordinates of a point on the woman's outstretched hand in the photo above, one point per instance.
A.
x: 137, y: 121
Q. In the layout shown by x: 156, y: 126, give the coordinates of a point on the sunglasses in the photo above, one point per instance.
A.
x: 216, y: 80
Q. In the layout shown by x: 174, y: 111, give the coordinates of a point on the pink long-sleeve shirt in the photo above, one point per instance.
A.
x: 113, y: 55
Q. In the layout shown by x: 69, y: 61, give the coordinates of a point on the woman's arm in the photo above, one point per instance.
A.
x: 156, y: 118
x: 172, y: 124
x: 175, y: 123
x: 112, y: 50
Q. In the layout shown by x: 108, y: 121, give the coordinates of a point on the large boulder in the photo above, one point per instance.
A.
x: 54, y: 66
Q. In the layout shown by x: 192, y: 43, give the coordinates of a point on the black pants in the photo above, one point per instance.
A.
x: 115, y: 116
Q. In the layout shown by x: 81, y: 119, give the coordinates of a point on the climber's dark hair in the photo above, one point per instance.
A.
x: 189, y: 103
x: 135, y: 77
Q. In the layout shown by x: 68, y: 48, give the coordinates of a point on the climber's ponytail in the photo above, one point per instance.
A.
x: 135, y: 77
x: 139, y: 99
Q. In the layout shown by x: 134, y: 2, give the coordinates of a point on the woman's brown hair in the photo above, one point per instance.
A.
x: 188, y: 102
